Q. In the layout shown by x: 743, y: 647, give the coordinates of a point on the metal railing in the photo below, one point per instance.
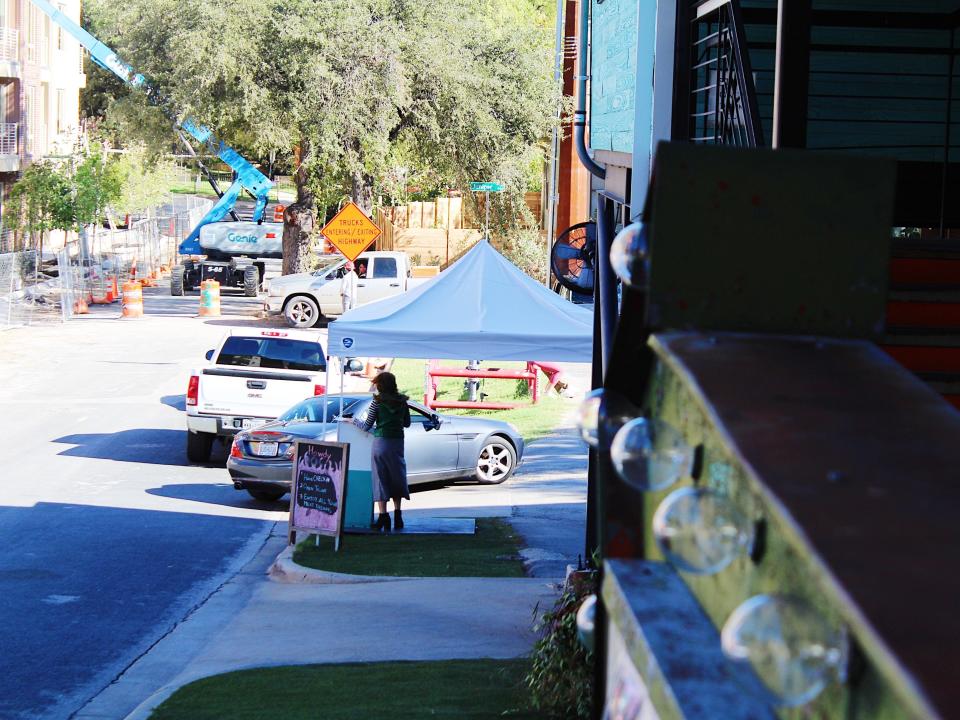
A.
x: 723, y: 100
x: 9, y: 133
x: 9, y: 44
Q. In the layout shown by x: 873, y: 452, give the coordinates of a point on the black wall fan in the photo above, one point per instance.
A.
x: 573, y: 257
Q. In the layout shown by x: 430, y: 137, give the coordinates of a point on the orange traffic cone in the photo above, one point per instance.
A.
x: 132, y: 300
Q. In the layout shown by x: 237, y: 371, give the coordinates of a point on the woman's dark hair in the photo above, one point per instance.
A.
x: 387, y: 390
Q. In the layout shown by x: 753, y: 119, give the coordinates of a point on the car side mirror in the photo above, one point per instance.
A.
x: 209, y: 355
x: 435, y: 422
x: 354, y: 365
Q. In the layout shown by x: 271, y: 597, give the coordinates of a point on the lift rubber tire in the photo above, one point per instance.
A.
x: 176, y: 280
x: 251, y: 281
x: 301, y: 311
x: 199, y: 445
x: 266, y: 495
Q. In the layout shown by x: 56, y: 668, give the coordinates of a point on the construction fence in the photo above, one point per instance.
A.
x: 59, y: 284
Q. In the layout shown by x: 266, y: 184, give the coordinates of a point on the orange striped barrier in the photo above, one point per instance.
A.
x: 209, y: 298
x: 132, y: 300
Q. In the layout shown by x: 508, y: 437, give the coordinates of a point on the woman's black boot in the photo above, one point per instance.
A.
x: 383, y: 522
x: 397, y: 519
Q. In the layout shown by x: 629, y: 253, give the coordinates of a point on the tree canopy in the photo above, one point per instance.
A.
x: 347, y: 91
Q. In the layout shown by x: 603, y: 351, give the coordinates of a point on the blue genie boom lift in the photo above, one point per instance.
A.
x: 236, y: 252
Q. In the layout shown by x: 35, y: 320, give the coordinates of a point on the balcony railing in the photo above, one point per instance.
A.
x: 8, y: 138
x: 9, y: 45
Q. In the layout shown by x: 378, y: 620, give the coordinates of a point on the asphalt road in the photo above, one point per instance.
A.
x: 109, y: 536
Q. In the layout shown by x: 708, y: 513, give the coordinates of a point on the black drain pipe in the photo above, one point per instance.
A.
x: 580, y: 114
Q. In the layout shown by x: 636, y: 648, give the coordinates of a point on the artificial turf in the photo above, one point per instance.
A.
x: 492, y: 552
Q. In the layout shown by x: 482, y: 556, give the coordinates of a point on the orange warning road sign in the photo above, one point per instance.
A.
x: 350, y: 231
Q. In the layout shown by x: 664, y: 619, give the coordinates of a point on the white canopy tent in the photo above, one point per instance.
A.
x: 482, y: 307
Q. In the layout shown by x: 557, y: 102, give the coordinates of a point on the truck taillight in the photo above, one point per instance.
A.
x: 193, y: 390
x: 319, y: 390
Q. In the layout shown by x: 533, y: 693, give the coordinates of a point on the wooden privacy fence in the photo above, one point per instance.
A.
x: 449, y: 213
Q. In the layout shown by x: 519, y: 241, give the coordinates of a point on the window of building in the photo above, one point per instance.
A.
x: 60, y: 7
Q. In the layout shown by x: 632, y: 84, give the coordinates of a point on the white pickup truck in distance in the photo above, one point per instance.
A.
x: 305, y: 298
x: 251, y: 378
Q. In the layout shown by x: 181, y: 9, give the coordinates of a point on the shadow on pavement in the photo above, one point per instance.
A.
x: 248, y: 322
x: 154, y: 446
x: 177, y: 402
x: 218, y: 494
x: 99, y: 590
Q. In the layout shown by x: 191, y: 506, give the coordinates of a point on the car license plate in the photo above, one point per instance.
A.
x: 247, y: 423
x: 264, y: 449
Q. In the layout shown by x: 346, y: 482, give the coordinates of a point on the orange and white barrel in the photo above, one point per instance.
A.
x: 132, y: 300
x: 209, y: 298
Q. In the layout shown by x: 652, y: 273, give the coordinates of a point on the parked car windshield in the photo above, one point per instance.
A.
x: 326, y: 264
x: 272, y: 353
x: 311, y: 410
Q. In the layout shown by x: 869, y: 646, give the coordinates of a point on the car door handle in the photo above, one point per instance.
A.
x: 361, y: 284
x: 394, y: 284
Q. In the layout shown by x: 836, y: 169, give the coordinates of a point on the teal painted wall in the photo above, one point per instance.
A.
x: 614, y: 74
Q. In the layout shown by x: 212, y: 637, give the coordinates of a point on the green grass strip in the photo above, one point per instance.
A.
x: 492, y: 552
x: 447, y: 689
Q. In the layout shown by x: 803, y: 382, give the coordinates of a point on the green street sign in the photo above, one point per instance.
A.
x: 486, y: 187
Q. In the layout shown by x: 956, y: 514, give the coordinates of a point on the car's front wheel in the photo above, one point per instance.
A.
x: 266, y: 495
x: 496, y: 462
x: 301, y: 312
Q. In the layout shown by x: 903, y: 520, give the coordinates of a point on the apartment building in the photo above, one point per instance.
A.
x: 41, y: 73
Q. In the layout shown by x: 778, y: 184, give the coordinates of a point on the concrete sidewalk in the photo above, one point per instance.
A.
x: 250, y: 621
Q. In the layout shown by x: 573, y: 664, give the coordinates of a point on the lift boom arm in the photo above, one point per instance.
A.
x: 247, y: 176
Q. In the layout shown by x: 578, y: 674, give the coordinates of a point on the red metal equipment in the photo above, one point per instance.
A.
x: 434, y: 371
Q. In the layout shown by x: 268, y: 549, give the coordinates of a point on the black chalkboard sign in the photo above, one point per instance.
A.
x: 319, y: 488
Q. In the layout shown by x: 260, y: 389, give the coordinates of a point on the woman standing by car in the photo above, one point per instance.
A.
x: 388, y: 415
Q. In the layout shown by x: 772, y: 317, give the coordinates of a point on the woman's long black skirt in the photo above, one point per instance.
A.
x: 389, y: 469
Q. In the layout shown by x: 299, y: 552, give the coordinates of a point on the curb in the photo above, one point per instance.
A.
x: 285, y: 570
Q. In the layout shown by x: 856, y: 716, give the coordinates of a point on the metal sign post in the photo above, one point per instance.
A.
x: 486, y: 188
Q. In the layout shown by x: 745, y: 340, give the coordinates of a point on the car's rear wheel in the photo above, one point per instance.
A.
x: 266, y: 495
x: 199, y: 445
x: 496, y: 462
x: 301, y: 312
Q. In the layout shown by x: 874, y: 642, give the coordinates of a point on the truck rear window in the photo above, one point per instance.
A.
x: 272, y: 353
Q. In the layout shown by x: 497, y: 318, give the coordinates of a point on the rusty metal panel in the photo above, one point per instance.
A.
x: 853, y: 461
x: 785, y: 241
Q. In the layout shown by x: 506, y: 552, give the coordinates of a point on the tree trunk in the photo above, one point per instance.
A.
x: 362, y: 191
x: 299, y: 219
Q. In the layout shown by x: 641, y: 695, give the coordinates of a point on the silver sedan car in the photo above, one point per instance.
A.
x: 437, y: 447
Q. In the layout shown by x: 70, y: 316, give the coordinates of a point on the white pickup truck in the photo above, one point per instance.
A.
x: 251, y: 378
x: 305, y: 298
